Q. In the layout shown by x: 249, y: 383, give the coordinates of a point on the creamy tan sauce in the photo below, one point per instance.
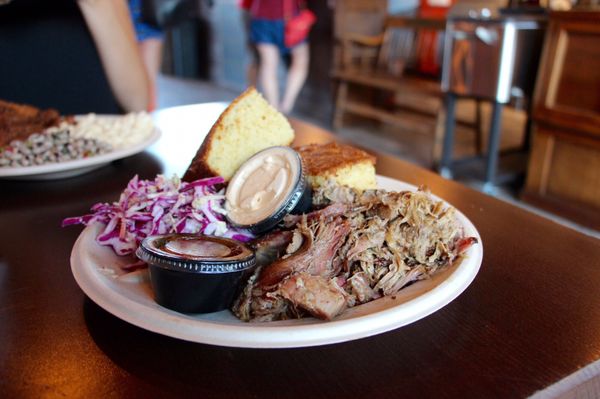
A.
x: 197, y: 248
x: 261, y: 185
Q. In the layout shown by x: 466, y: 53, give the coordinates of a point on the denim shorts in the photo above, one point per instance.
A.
x: 269, y: 31
x: 143, y: 31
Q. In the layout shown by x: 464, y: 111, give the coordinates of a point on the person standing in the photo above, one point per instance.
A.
x: 267, y: 27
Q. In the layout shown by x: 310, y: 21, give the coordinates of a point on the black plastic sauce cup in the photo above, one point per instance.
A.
x: 205, y: 279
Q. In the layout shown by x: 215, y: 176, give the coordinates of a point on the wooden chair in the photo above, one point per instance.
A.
x: 358, y: 21
x: 378, y: 52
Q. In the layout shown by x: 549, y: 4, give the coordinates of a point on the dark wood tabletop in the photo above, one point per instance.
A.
x: 530, y: 318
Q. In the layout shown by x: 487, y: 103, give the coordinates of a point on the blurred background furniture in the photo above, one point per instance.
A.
x: 378, y: 57
x: 491, y: 53
x: 564, y: 167
x: 360, y: 21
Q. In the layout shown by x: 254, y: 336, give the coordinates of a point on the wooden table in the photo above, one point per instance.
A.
x: 530, y: 318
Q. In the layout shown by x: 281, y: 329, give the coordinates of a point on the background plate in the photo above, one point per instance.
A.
x: 76, y: 167
x: 129, y: 297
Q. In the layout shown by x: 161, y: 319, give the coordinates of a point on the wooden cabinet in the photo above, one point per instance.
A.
x: 564, y: 166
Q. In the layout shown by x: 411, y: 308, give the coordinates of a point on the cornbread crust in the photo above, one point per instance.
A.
x: 345, y: 164
x: 248, y: 125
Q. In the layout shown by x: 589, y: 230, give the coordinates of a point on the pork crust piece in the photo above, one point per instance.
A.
x: 18, y: 121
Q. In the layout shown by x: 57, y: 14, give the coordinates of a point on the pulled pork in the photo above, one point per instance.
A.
x: 383, y: 242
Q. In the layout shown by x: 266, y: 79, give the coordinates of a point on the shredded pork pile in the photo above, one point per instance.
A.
x: 355, y: 248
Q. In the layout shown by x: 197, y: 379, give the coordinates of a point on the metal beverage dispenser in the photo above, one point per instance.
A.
x: 491, y: 53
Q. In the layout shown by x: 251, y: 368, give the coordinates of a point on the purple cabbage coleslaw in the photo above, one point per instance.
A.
x: 161, y: 206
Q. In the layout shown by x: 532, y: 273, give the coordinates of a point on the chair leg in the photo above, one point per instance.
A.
x: 526, y: 146
x: 478, y: 129
x: 493, y: 148
x: 340, y: 105
x: 445, y: 168
x: 438, y: 135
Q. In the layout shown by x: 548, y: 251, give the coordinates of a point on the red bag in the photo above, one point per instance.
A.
x: 298, y: 27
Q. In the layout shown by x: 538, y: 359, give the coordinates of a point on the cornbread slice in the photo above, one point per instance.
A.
x: 347, y: 165
x: 248, y: 125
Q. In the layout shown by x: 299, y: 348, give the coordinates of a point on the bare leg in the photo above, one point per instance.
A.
x: 151, y: 51
x: 252, y: 68
x: 296, y: 76
x: 252, y: 74
x: 267, y: 71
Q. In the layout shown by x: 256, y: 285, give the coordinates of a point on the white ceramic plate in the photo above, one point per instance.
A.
x: 129, y: 297
x: 76, y: 167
